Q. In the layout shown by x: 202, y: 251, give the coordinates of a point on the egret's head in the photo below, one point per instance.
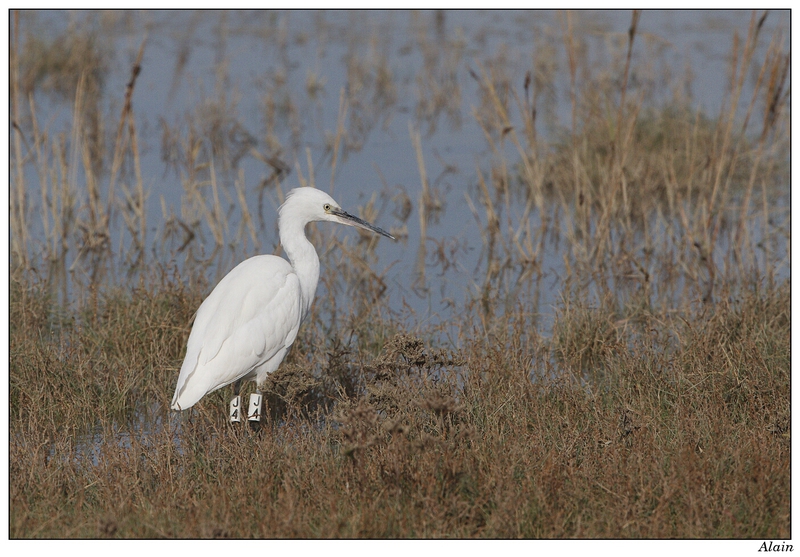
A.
x: 310, y: 204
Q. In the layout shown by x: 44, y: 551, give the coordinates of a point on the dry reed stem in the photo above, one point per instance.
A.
x: 424, y: 203
x: 18, y: 213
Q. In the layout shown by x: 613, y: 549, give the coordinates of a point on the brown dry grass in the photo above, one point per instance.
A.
x: 678, y: 429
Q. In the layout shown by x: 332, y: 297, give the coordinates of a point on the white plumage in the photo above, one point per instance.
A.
x: 245, y: 327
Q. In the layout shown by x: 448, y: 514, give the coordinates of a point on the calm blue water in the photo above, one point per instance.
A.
x: 194, y: 60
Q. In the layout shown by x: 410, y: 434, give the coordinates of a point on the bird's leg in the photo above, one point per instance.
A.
x: 236, y: 404
x: 254, y: 414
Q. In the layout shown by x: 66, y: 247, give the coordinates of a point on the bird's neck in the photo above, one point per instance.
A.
x: 303, y: 257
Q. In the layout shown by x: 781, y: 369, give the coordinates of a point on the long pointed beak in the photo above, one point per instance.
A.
x: 352, y: 220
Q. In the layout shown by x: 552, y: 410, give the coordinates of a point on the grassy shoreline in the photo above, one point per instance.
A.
x: 657, y: 405
x: 675, y: 429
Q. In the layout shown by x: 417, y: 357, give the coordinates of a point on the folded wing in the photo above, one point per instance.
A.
x: 252, y: 314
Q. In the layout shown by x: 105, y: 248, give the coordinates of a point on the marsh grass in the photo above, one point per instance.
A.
x: 682, y: 431
x: 656, y: 404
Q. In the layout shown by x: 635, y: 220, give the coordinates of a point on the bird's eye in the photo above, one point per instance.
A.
x: 327, y: 207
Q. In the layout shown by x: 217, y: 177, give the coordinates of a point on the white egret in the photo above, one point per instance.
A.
x: 245, y: 327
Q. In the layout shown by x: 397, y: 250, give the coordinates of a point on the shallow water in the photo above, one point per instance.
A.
x: 393, y: 65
